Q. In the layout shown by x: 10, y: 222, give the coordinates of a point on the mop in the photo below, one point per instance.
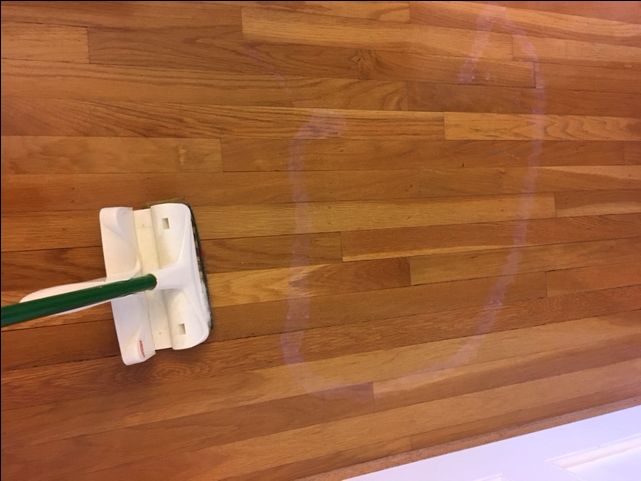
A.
x: 155, y: 281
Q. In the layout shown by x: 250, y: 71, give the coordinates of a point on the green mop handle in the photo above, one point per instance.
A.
x: 59, y: 303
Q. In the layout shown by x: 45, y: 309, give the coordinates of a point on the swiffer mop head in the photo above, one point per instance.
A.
x: 163, y: 241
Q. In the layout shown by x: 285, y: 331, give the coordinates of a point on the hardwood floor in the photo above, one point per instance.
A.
x: 421, y: 224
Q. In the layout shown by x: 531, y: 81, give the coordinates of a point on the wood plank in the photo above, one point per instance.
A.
x: 565, y: 51
x: 591, y: 79
x: 101, y: 155
x: 449, y: 182
x: 45, y: 268
x: 218, y: 49
x: 285, y: 27
x: 384, y: 10
x: 225, y: 425
x: 598, y: 202
x: 476, y: 98
x: 81, y: 229
x: 225, y: 357
x: 23, y: 271
x: 23, y: 348
x: 283, y: 381
x: 531, y: 23
x: 632, y: 152
x: 358, y: 399
x: 225, y: 255
x: 35, y: 41
x: 306, y: 313
x: 497, y: 262
x: 206, y: 189
x: 122, y: 14
x: 390, y: 154
x: 55, y: 117
x: 621, y: 11
x: 425, y: 385
x: 382, y: 243
x: 94, y: 192
x: 45, y: 230
x: 278, y: 219
x: 65, y: 80
x: 581, y: 279
x: 263, y: 285
x: 313, y: 146
x: 471, y: 410
x: 384, y: 65
x: 471, y: 126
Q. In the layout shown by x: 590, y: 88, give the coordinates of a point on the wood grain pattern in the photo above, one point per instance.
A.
x: 345, y: 370
x: 57, y: 117
x: 598, y: 202
x: 35, y: 41
x: 584, y: 278
x: 382, y: 243
x: 220, y: 49
x: 101, y: 155
x: 572, y: 51
x: 579, y: 77
x: 385, y: 425
x: 64, y: 80
x: 209, y: 188
x: 385, y: 10
x: 229, y: 255
x: 289, y: 282
x: 281, y: 27
x: 621, y: 11
x: 525, y: 22
x: 507, y: 100
x: 415, y: 217
x: 122, y: 15
x: 338, y: 309
x: 24, y: 270
x: 279, y: 187
x: 390, y: 154
x: 497, y: 262
x: 517, y: 180
x: 385, y: 65
x: 300, y: 218
x: 461, y: 126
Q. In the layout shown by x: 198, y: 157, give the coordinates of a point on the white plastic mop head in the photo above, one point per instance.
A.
x: 162, y: 241
x: 155, y: 282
